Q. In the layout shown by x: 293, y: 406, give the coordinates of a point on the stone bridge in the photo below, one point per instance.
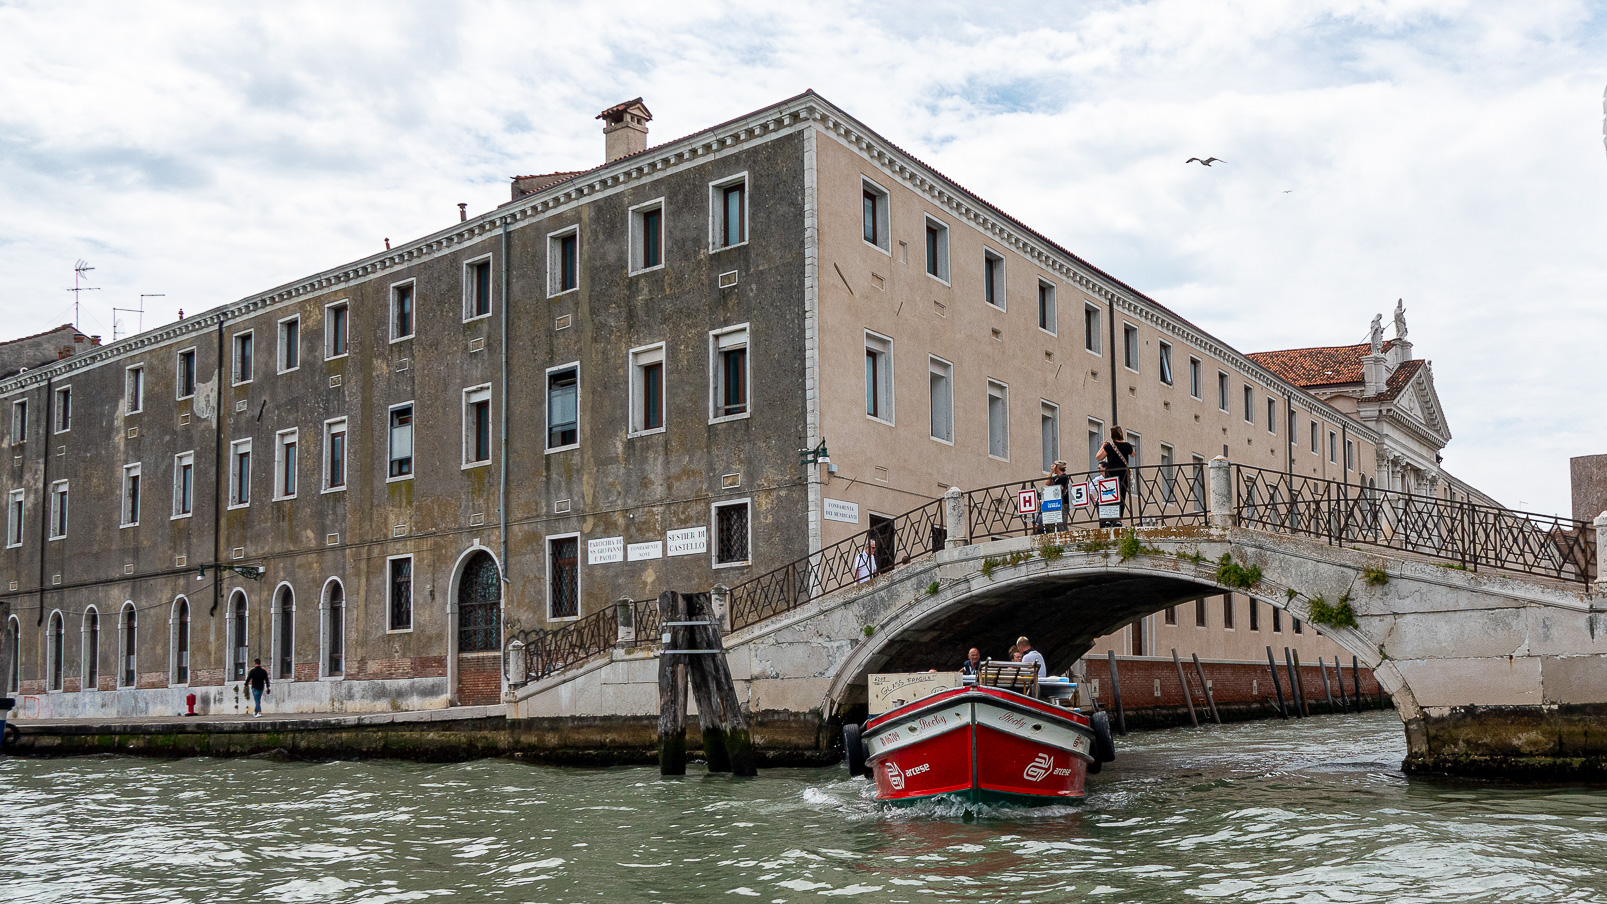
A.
x: 1493, y: 671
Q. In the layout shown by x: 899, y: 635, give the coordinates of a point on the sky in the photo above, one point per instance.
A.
x: 1450, y: 154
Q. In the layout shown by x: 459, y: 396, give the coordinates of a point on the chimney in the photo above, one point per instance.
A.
x: 624, y: 129
x: 463, y: 211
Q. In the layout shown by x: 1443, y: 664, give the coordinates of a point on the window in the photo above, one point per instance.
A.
x: 240, y: 473
x: 1137, y: 442
x: 58, y: 510
x: 476, y: 426
x: 1199, y: 612
x: 728, y: 203
x: 131, y: 500
x: 1194, y: 378
x: 940, y: 380
x: 128, y: 647
x: 1249, y: 405
x: 1314, y: 439
x: 731, y: 533
x: 284, y: 464
x: 19, y: 421
x: 563, y: 261
x: 242, y: 357
x: 1333, y: 447
x: 1350, y: 455
x: 1197, y: 479
x: 729, y: 365
x: 993, y: 279
x: 937, y: 249
x: 1227, y: 611
x: 647, y: 388
x: 1091, y: 333
x: 402, y: 311
x: 91, y: 649
x: 563, y: 407
x: 1130, y: 347
x: 477, y: 289
x: 1168, y: 473
x: 14, y: 628
x: 879, y: 377
x: 1296, y: 623
x: 647, y: 236
x: 334, y: 659
x: 64, y: 409
x: 1290, y: 422
x: 337, y: 323
x: 1255, y: 614
x: 134, y: 390
x: 289, y: 344
x: 284, y: 633
x: 1166, y: 363
x: 1272, y: 416
x: 1171, y: 615
x: 998, y: 419
x: 236, y: 626
x: 334, y: 455
x: 185, y: 375
x: 181, y: 640
x: 183, y: 484
x: 55, y: 651
x: 1049, y: 433
x: 401, y: 442
x: 400, y: 590
x: 563, y: 577
x: 15, y: 513
x: 874, y: 212
x: 1277, y: 619
x: 1222, y: 390
x: 1096, y: 438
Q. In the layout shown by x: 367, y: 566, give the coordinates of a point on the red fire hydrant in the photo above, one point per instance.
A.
x: 189, y: 700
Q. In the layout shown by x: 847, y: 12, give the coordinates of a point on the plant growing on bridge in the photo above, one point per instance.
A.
x: 1197, y: 557
x: 931, y: 589
x: 1333, y: 615
x: 989, y: 563
x: 1374, y: 577
x: 1094, y: 546
x: 1051, y: 551
x: 1019, y: 556
x: 1231, y: 574
x: 869, y: 630
x: 1131, y: 546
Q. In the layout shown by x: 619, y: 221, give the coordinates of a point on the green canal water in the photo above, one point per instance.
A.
x: 1271, y: 811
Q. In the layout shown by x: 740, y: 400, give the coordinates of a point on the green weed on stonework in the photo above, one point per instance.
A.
x: 1332, y: 615
x: 1374, y: 577
x: 989, y: 563
x: 931, y: 589
x: 1131, y: 547
x: 1051, y: 551
x: 1094, y: 546
x: 1231, y: 574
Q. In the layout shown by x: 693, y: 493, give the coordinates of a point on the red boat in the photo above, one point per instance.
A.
x: 981, y: 745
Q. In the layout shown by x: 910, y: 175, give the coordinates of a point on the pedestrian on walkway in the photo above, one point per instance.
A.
x: 865, y: 564
x: 1113, y: 457
x: 257, y: 680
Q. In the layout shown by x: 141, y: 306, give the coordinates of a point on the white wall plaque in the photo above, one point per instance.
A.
x: 637, y: 552
x: 688, y: 541
x: 838, y: 510
x: 605, y: 550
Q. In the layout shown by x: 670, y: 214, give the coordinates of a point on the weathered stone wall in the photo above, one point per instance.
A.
x: 1588, y: 480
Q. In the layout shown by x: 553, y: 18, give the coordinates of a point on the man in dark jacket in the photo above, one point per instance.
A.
x: 257, y: 680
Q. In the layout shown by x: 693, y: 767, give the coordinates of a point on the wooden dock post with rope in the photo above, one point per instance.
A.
x: 693, y: 652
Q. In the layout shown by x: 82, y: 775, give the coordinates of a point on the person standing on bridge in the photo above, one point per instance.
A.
x: 865, y: 563
x: 257, y: 680
x: 1057, y: 478
x: 1029, y: 656
x: 1113, y: 456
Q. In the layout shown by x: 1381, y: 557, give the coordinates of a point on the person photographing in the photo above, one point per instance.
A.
x: 1113, y: 457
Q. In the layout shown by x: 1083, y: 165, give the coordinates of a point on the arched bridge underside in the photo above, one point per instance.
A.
x: 1491, y: 674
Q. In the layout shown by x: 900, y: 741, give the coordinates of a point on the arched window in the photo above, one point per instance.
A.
x: 239, y: 651
x: 334, y: 606
x: 479, y: 605
x: 128, y: 647
x: 91, y: 646
x: 14, y: 644
x: 181, y: 641
x: 56, y: 650
x: 284, y: 633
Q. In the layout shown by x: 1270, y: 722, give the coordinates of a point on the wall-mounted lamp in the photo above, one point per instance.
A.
x: 816, y: 456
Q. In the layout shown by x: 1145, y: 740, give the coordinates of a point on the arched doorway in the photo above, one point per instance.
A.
x: 128, y: 676
x: 91, y: 646
x: 14, y: 646
x: 56, y: 651
x: 479, y: 631
x: 333, y: 664
x: 239, y: 651
x: 284, y: 633
x: 181, y: 641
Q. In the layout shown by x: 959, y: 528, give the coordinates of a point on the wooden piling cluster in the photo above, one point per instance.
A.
x: 694, y: 653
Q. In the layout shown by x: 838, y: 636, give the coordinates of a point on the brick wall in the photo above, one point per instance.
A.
x: 305, y: 671
x: 414, y: 667
x: 32, y: 687
x: 152, y: 679
x: 479, y: 679
x: 206, y: 677
x: 1231, y: 682
x: 106, y: 683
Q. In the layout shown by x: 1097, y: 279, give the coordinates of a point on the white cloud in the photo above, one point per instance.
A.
x: 1443, y: 152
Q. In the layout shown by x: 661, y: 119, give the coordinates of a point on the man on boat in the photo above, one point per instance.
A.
x: 973, y: 662
x: 1029, y: 655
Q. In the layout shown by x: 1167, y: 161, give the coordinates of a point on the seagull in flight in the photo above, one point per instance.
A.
x: 1206, y: 162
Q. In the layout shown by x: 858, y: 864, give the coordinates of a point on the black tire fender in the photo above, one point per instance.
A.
x: 1104, y: 747
x: 12, y: 735
x: 854, y: 749
x: 1094, y: 767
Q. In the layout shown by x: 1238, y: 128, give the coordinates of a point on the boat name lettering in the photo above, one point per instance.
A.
x: 933, y: 721
x: 924, y: 767
x: 1011, y: 719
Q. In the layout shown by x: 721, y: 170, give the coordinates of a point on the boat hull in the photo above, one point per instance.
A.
x: 980, y: 745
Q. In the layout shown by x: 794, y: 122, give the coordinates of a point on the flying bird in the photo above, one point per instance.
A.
x: 1206, y: 162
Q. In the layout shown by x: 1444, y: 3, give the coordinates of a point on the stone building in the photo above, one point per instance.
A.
x: 373, y: 477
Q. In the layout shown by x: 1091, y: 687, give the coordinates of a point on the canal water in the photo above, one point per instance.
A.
x: 1303, y: 811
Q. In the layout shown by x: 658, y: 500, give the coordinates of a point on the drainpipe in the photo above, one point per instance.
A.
x: 217, y: 481
x: 1289, y: 428
x: 502, y: 476
x: 1110, y: 306
x: 45, y: 434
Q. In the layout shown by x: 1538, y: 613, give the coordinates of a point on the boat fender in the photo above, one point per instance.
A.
x: 1104, y: 745
x: 1094, y: 767
x: 10, y: 736
x: 855, y: 751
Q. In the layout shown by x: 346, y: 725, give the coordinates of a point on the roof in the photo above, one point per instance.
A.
x: 1398, y: 380
x: 66, y: 326
x: 619, y: 109
x: 1334, y: 365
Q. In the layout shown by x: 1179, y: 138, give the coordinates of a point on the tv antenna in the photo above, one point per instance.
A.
x: 80, y: 270
x: 139, y: 310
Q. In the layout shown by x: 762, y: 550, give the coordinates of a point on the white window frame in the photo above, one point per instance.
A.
x: 1272, y: 415
x: 329, y: 329
x: 178, y: 373
x: 1333, y: 447
x: 489, y: 259
x: 941, y: 254
x: 717, y: 373
x: 131, y: 470
x: 1096, y: 432
x: 89, y: 659
x: 944, y: 368
x: 882, y: 346
x: 280, y: 440
x: 16, y: 517
x: 179, y: 461
x: 324, y: 674
x: 1000, y: 390
x: 239, y: 494
x: 19, y: 421
x: 279, y: 351
x: 882, y: 215
x: 1136, y: 440
x: 714, y: 532
x: 1163, y: 358
x: 276, y: 613
x: 56, y: 419
x: 411, y: 284
x: 555, y: 261
x: 1196, y: 378
x: 580, y: 573
x: 1052, y: 315
x: 390, y: 453
x: 1224, y: 392
x: 717, y: 210
x: 991, y: 259
x: 1168, y: 463
x: 331, y: 426
x: 412, y: 603
x: 54, y: 660
x: 60, y: 509
x: 546, y: 404
x: 1093, y: 338
x: 472, y: 394
x: 639, y: 359
x: 1351, y: 455
x: 1249, y: 404
x: 638, y: 235
x: 1131, y: 353
x: 134, y: 389
x: 124, y: 654
x: 1316, y: 438
x: 235, y: 345
x: 1049, y: 411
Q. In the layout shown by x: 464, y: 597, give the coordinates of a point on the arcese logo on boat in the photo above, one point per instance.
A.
x: 895, y: 776
x: 1039, y: 769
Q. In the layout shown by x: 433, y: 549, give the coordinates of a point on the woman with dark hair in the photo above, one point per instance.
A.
x: 1113, y: 456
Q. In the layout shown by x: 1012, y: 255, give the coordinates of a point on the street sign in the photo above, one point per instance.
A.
x: 1080, y: 495
x: 1053, y: 506
x: 1110, y: 512
x: 1110, y: 490
x: 1026, y: 502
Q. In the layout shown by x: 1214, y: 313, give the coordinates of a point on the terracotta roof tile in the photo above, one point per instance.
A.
x: 1398, y: 380
x: 1330, y: 365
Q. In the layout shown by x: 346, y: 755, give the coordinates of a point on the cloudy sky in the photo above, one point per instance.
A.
x: 1448, y: 153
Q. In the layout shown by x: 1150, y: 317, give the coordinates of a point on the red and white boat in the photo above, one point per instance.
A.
x: 981, y: 745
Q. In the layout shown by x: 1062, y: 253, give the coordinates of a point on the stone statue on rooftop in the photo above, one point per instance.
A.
x: 1400, y: 319
x: 1377, y: 334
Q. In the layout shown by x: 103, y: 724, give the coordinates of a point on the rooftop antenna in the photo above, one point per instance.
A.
x: 139, y: 310
x: 79, y: 270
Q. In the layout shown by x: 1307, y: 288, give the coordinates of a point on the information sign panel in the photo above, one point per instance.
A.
x: 1053, y: 506
x: 1026, y: 502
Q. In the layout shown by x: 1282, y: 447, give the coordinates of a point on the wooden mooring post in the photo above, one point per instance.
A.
x: 1210, y: 698
x: 1326, y: 690
x: 1294, y: 690
x: 1272, y: 664
x: 695, y: 651
x: 1116, y: 695
x: 1188, y: 696
x: 1300, y: 684
x: 1339, y: 681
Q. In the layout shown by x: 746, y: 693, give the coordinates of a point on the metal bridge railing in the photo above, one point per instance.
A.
x: 1470, y: 535
x: 1156, y: 495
